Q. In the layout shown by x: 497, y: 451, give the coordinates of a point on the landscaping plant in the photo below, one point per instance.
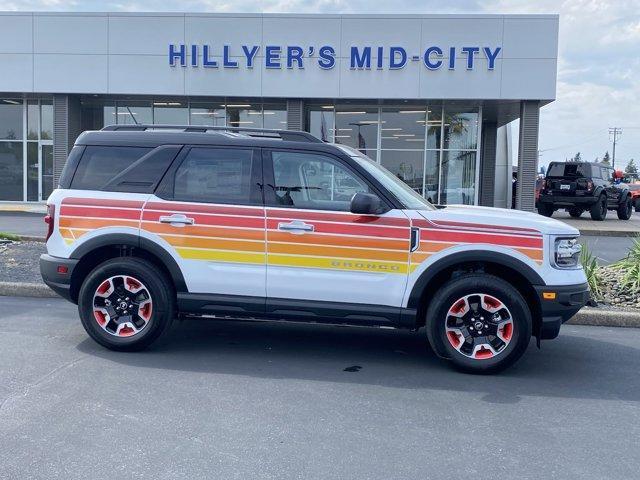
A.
x: 629, y: 268
x: 591, y: 270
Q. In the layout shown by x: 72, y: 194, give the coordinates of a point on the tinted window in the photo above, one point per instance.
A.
x: 145, y: 173
x: 100, y: 164
x: 216, y: 175
x: 305, y: 180
x: 568, y: 170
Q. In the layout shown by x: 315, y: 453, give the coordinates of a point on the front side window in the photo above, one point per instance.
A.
x: 311, y: 181
x: 216, y: 175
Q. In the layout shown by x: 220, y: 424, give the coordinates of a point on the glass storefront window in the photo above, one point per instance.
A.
x: 321, y: 122
x: 170, y: 113
x: 274, y: 116
x: 33, y: 120
x: 460, y: 129
x: 32, y: 171
x: 240, y: 114
x: 47, y: 170
x: 46, y: 120
x: 134, y: 113
x: 11, y: 119
x: 407, y: 165
x: 358, y: 128
x: 402, y: 128
x: 109, y: 116
x: 458, y: 177
x: 11, y: 170
x: 209, y: 114
x: 432, y: 176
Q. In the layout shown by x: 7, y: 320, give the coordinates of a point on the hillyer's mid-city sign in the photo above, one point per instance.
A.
x: 360, y: 58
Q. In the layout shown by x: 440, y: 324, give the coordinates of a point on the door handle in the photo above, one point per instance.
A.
x: 296, y: 226
x: 177, y: 220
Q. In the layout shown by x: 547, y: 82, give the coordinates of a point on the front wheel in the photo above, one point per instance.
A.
x: 598, y: 210
x: 625, y: 209
x: 479, y: 322
x: 126, y: 304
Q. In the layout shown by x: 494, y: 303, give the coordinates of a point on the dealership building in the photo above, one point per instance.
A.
x: 424, y: 95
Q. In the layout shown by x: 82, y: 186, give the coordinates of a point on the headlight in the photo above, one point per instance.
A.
x: 566, y: 253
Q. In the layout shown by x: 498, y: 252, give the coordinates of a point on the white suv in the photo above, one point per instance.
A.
x: 150, y: 222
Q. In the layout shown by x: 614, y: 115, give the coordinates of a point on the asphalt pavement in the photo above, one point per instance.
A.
x: 235, y: 399
x: 23, y: 223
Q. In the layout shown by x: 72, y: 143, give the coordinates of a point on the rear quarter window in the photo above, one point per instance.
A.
x: 100, y: 164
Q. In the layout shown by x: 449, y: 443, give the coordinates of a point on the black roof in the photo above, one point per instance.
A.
x: 155, y: 135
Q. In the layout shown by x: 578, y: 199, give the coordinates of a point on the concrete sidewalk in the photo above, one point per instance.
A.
x: 27, y: 207
x: 610, y: 227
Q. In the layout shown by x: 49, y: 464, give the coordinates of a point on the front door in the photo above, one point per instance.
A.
x: 318, y: 250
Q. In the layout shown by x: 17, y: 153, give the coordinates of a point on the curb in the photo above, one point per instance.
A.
x: 606, y: 318
x: 607, y: 233
x: 18, y: 289
x: 29, y: 238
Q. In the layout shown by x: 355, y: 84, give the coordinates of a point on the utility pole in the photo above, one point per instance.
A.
x: 616, y: 132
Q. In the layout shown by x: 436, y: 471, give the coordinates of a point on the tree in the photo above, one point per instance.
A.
x: 577, y: 157
x: 631, y: 167
x: 606, y: 159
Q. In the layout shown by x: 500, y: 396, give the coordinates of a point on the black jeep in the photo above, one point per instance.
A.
x: 580, y: 186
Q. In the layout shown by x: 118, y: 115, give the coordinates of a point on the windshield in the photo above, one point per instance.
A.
x: 568, y: 170
x: 405, y: 194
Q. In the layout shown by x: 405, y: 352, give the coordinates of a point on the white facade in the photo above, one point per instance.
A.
x: 118, y: 53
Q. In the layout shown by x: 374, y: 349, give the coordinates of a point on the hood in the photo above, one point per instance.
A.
x: 502, y: 217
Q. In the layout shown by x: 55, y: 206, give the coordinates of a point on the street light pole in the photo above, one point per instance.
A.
x: 616, y: 132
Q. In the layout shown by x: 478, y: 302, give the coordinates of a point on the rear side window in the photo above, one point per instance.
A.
x: 99, y: 165
x: 218, y: 175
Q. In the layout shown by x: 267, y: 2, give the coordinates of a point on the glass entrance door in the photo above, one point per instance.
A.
x: 39, y: 170
x: 46, y: 170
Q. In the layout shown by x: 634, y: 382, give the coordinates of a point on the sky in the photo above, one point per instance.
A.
x: 598, y: 67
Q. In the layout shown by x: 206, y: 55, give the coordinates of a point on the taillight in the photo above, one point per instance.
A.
x: 50, y: 219
x: 547, y: 184
x: 589, y: 186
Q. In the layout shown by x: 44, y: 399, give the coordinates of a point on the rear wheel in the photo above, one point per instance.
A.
x: 598, y: 210
x: 479, y: 322
x: 126, y: 304
x: 625, y: 209
x: 545, y: 209
x: 575, y: 212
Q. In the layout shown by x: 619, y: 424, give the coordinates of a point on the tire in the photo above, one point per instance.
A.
x: 497, y: 298
x: 545, y: 209
x: 126, y: 304
x: 575, y: 212
x: 625, y: 209
x: 598, y: 210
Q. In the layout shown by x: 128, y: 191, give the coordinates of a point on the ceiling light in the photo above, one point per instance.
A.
x: 239, y: 105
x: 391, y: 129
x: 411, y: 111
x: 350, y: 113
x: 404, y: 135
x: 327, y: 106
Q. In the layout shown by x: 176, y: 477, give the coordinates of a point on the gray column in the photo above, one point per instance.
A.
x: 488, y: 165
x: 295, y: 114
x: 66, y: 128
x: 528, y: 155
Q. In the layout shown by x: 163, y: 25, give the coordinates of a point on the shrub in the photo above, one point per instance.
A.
x: 629, y: 267
x: 590, y: 266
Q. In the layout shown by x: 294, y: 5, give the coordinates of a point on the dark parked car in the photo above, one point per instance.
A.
x: 581, y: 186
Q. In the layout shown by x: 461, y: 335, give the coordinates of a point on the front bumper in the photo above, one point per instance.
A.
x: 567, y: 201
x: 54, y: 275
x: 565, y: 304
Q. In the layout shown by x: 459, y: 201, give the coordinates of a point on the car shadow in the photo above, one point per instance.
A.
x: 573, y: 366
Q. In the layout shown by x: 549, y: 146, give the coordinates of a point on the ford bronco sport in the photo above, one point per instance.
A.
x: 580, y: 186
x: 151, y: 222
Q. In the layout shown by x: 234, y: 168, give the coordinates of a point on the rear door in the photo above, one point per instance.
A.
x: 316, y: 249
x: 208, y: 213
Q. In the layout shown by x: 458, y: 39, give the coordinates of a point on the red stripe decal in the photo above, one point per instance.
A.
x: 490, y: 238
x: 172, y: 207
x: 97, y: 212
x: 102, y: 202
x: 336, y: 217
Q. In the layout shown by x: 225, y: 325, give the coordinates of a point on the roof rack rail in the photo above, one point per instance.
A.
x: 291, y: 135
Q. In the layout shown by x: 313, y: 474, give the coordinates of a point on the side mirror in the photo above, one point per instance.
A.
x: 366, y: 204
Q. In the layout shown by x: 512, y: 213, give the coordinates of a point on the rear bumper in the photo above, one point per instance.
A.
x: 53, y: 274
x: 562, y: 201
x: 568, y: 300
